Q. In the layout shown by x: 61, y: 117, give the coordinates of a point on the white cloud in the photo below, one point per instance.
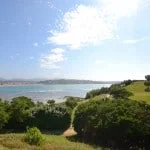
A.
x: 52, y: 60
x: 92, y: 24
x: 135, y: 41
x: 57, y: 51
x: 100, y: 62
x: 35, y: 44
x: 121, y: 8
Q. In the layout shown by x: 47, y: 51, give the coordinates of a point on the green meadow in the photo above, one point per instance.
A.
x: 138, y: 90
x: 52, y: 142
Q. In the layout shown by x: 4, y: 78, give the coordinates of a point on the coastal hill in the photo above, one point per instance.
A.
x: 138, y: 90
x: 75, y: 81
x: 52, y: 81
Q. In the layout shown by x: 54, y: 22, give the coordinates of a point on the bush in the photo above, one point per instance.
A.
x: 119, y: 92
x: 33, y: 136
x: 97, y: 92
x: 127, y: 82
x: 147, y: 83
x: 4, y: 114
x: 71, y: 103
x: 51, y: 102
x: 51, y: 118
x: 116, y: 124
x: 19, y: 113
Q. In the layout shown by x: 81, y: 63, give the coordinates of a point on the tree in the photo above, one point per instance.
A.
x: 96, y: 92
x: 4, y: 115
x: 71, y: 103
x: 147, y: 83
x: 119, y: 92
x: 51, y: 102
x: 51, y: 118
x: 127, y: 82
x: 120, y: 124
x: 20, y: 112
x: 147, y: 77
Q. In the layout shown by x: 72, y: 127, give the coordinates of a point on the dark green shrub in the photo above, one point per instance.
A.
x: 118, y: 124
x: 119, y: 92
x: 96, y: 92
x: 147, y: 83
x: 4, y: 114
x: 127, y: 82
x: 52, y: 118
x: 33, y: 136
x: 51, y: 102
x: 71, y: 103
x: 19, y: 113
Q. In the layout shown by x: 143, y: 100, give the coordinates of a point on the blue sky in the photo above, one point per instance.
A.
x: 81, y: 39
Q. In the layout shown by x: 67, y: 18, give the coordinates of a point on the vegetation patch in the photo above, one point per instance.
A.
x: 139, y: 93
x: 33, y: 136
x: 122, y: 124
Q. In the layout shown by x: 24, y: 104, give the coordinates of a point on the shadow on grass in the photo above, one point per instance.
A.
x: 47, y: 132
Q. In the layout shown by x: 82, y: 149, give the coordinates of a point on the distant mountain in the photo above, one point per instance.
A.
x: 2, y: 79
x: 75, y: 81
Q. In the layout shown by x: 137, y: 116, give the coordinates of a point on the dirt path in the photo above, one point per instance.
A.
x: 69, y: 132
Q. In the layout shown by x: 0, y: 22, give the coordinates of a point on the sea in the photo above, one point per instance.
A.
x: 40, y: 92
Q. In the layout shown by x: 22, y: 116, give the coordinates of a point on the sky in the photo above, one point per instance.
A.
x: 75, y: 39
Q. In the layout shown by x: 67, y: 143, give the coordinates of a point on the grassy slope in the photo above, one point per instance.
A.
x: 137, y: 88
x: 53, y: 142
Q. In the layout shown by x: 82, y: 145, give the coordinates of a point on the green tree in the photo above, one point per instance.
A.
x: 4, y: 114
x: 127, y: 82
x: 51, y: 118
x: 51, y: 102
x: 20, y: 112
x: 96, y: 92
x: 147, y: 83
x: 71, y: 102
x: 119, y: 92
x: 120, y: 124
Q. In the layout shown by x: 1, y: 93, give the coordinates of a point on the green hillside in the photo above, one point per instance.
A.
x: 138, y: 90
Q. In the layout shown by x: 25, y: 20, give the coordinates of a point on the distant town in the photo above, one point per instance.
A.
x: 54, y: 81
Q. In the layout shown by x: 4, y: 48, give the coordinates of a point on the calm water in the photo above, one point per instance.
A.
x: 46, y: 92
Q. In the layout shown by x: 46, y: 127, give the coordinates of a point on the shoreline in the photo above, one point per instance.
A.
x: 12, y: 85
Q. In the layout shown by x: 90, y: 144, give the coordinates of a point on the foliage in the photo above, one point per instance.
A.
x: 71, y: 103
x: 117, y: 124
x: 4, y: 115
x: 51, y: 118
x: 116, y: 90
x: 147, y: 77
x: 33, y: 136
x: 51, y: 102
x: 20, y: 113
x: 119, y: 92
x: 95, y: 92
x: 126, y: 82
x: 147, y: 83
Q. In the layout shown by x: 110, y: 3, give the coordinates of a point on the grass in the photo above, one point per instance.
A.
x: 138, y: 90
x: 52, y: 142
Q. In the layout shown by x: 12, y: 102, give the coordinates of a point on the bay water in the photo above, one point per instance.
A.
x: 39, y: 92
